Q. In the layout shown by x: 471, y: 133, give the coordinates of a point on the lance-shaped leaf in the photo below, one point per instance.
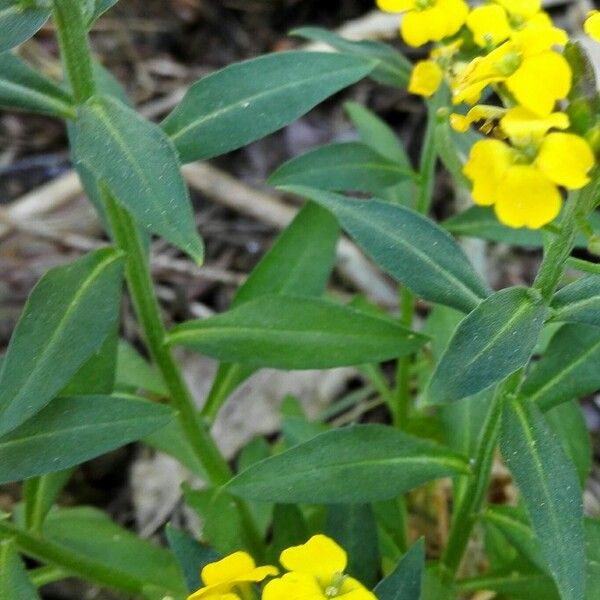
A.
x: 70, y: 431
x: 342, y: 167
x: 18, y: 23
x: 246, y: 101
x: 492, y: 342
x: 579, y: 302
x: 295, y: 332
x: 66, y: 319
x: 548, y: 484
x: 299, y: 262
x: 139, y: 165
x: 408, y: 246
x: 568, y: 369
x: 358, y: 464
x: 99, y: 8
x: 24, y: 88
x: 14, y: 583
x: 406, y: 580
x: 392, y: 68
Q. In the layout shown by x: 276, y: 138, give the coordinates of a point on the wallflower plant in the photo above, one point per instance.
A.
x: 481, y: 378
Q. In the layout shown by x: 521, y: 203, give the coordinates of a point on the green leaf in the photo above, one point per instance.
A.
x: 14, y: 583
x: 66, y: 319
x: 341, y: 167
x: 405, y: 582
x: 374, y: 132
x: 72, y: 430
x: 354, y: 528
x: 296, y: 332
x: 139, y: 165
x: 18, y: 24
x: 300, y: 262
x: 578, y: 302
x: 493, y: 341
x: 91, y: 534
x: 40, y: 493
x: 408, y: 246
x: 190, y: 554
x: 592, y: 542
x: 358, y: 464
x: 24, y: 88
x: 568, y: 368
x: 100, y: 7
x: 289, y: 529
x: 392, y: 67
x: 550, y: 490
x: 246, y: 101
x: 134, y: 373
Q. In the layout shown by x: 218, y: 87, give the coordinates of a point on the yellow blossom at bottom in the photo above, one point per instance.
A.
x: 316, y: 573
x: 524, y: 191
x: 592, y: 25
x: 221, y: 578
x: 426, y: 78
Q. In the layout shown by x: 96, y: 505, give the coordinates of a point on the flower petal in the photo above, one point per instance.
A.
x: 426, y: 78
x: 527, y: 198
x: 352, y: 589
x: 481, y: 112
x: 489, y: 25
x: 421, y: 26
x: 320, y: 557
x: 521, y: 8
x: 231, y: 568
x: 522, y: 126
x: 592, y: 25
x: 293, y: 586
x: 566, y: 159
x: 455, y: 14
x: 488, y: 163
x: 541, y: 81
x: 396, y: 6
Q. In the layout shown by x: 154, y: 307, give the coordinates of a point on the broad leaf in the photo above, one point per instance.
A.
x: 296, y: 332
x: 342, y: 167
x: 408, y: 246
x: 134, y: 373
x: 579, y: 302
x: 289, y: 529
x: 354, y: 528
x: 550, y: 490
x: 358, y: 464
x: 139, y: 165
x: 72, y: 430
x: 406, y: 581
x: 18, y: 24
x: 568, y: 370
x: 66, y: 319
x: 377, y: 134
x: 392, y: 67
x: 246, y: 101
x: 14, y: 583
x: 492, y: 342
x: 24, y: 88
x: 90, y: 534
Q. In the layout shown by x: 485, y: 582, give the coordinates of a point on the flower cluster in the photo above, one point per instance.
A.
x: 315, y: 572
x: 512, y: 49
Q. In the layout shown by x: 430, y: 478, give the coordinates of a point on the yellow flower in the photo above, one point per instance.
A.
x: 524, y: 190
x: 524, y: 9
x: 426, y: 78
x: 526, y: 65
x: 316, y: 573
x: 592, y: 25
x: 222, y: 578
x: 489, y: 25
x: 427, y: 20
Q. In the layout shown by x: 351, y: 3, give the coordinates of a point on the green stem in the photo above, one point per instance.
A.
x: 402, y: 395
x: 44, y: 575
x: 75, y: 48
x: 428, y: 161
x: 585, y: 266
x: 127, y: 237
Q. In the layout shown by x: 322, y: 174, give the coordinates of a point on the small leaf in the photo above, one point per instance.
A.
x: 14, y: 583
x: 374, y: 132
x: 392, y: 67
x: 66, y: 319
x: 568, y: 368
x: 249, y: 100
x: 139, y: 165
x: 18, y: 24
x: 294, y: 332
x: 24, y: 88
x: 405, y: 582
x: 40, y: 493
x: 408, y: 246
x: 578, y: 302
x: 72, y: 430
x: 134, y: 373
x: 341, y: 167
x: 492, y: 342
x: 100, y: 7
x: 550, y: 490
x: 358, y: 464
